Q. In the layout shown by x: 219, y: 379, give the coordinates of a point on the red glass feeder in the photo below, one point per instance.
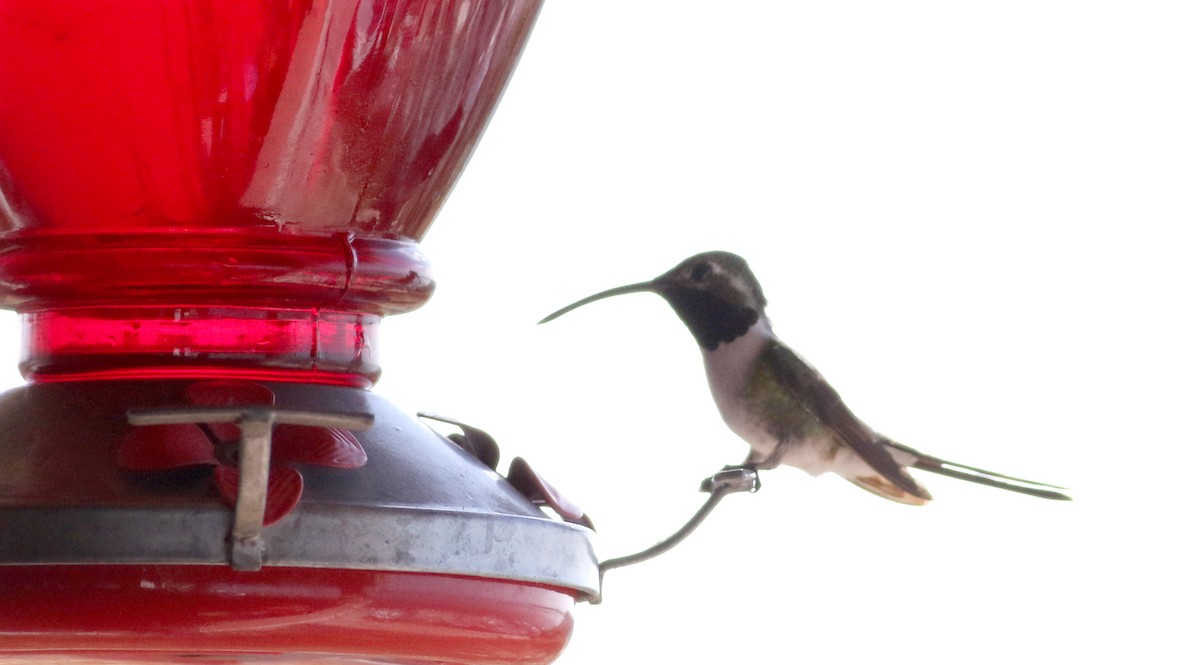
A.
x: 206, y: 207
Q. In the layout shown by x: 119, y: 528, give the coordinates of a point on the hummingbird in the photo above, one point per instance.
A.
x: 776, y: 401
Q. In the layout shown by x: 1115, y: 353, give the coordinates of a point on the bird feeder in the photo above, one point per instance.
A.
x: 206, y: 208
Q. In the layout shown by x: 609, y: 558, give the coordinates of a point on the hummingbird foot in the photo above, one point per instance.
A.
x: 733, y: 478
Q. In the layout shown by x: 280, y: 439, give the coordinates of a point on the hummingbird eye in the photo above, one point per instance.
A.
x: 700, y: 272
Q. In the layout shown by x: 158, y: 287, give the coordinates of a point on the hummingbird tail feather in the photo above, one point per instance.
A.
x: 995, y: 480
x: 973, y: 474
x: 880, y: 486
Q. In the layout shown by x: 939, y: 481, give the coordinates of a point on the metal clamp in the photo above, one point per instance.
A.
x: 247, y: 548
x: 729, y: 480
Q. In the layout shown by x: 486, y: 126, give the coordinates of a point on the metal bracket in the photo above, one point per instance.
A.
x: 729, y: 480
x: 247, y: 547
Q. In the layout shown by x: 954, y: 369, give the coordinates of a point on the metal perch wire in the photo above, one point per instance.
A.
x: 723, y: 483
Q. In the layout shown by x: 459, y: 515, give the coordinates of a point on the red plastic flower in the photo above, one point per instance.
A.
x: 156, y: 448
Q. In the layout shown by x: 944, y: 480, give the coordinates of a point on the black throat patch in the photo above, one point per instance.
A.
x: 711, y: 319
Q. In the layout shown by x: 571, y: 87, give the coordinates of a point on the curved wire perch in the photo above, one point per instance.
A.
x: 723, y: 483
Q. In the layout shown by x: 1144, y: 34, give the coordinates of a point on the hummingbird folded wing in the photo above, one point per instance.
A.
x: 810, y: 389
x: 893, y: 482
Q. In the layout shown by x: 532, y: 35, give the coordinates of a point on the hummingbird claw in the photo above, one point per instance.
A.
x: 732, y: 479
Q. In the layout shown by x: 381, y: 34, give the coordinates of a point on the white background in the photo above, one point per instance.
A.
x: 976, y: 219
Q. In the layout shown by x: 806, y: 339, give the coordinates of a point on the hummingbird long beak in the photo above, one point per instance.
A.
x: 619, y: 291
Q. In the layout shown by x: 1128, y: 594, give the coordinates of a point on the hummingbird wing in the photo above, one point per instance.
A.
x: 810, y: 389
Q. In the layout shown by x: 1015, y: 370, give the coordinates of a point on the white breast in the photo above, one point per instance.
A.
x: 728, y: 367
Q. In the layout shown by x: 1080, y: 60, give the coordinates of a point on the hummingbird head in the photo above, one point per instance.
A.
x: 714, y: 293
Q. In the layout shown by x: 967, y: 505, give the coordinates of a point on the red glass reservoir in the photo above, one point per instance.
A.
x: 177, y: 173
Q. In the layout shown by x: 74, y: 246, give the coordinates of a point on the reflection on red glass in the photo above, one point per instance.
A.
x: 252, y: 343
x: 168, y: 166
x: 351, y: 116
x: 364, y: 614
